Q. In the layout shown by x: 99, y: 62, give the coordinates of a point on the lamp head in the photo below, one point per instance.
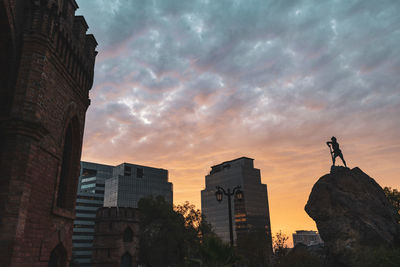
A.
x: 219, y: 194
x: 239, y: 194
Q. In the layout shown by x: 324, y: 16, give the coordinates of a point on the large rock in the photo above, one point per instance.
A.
x: 351, y: 211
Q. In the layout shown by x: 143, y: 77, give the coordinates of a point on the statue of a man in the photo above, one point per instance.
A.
x: 336, y: 150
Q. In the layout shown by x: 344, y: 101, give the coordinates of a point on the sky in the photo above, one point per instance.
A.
x: 184, y: 85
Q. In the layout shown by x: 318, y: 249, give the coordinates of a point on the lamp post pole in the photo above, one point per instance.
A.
x: 239, y: 195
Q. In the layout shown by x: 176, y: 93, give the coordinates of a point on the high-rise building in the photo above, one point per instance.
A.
x: 307, y: 238
x: 132, y: 182
x: 126, y: 184
x: 251, y: 214
x: 89, y: 198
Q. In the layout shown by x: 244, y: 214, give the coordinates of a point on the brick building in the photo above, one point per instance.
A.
x: 46, y: 71
x: 116, y: 241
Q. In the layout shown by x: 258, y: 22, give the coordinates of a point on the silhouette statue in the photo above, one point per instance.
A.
x: 336, y: 150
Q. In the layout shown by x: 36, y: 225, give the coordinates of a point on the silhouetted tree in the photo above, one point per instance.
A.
x: 194, y: 220
x: 216, y: 253
x: 376, y: 256
x: 203, y: 245
x: 196, y: 228
x: 279, y: 246
x: 393, y: 196
x: 178, y: 236
x: 280, y: 243
x: 254, y: 248
x: 300, y: 256
x: 162, y: 235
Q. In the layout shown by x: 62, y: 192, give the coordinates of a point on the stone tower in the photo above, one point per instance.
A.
x: 116, y: 241
x: 46, y: 71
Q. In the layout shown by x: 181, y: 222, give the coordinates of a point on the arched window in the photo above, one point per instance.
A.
x: 6, y: 64
x: 126, y: 260
x: 128, y: 235
x: 69, y: 166
x: 58, y: 257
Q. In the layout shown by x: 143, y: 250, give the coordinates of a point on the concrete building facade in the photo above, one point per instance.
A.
x: 249, y: 214
x: 308, y: 238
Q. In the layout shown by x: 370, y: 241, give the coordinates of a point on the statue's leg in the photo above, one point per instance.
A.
x: 334, y: 159
x: 344, y: 162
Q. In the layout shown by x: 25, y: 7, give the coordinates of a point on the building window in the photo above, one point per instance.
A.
x: 86, y: 173
x: 69, y: 170
x: 85, y: 180
x: 139, y: 173
x: 128, y: 235
x: 66, y: 163
x: 85, y: 186
x: 126, y: 260
x: 127, y: 171
x: 69, y: 164
x: 58, y: 257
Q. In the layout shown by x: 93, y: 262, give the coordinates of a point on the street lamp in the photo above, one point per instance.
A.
x: 239, y: 196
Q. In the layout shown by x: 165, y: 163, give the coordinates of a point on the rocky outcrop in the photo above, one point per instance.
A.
x: 351, y: 212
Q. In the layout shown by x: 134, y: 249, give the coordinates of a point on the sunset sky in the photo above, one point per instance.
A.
x: 184, y: 85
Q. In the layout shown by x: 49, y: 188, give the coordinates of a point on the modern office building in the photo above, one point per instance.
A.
x: 90, y: 197
x: 111, y: 186
x: 308, y: 238
x: 251, y: 214
x: 130, y: 183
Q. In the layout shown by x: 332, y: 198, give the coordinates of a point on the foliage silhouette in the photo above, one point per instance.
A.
x: 280, y: 244
x: 301, y: 256
x: 162, y: 235
x: 216, y: 253
x: 178, y: 236
x: 393, y: 195
x: 254, y: 248
x: 377, y: 257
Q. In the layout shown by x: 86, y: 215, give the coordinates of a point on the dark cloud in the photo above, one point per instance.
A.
x: 188, y: 84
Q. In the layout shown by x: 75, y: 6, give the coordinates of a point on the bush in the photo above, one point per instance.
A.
x: 300, y: 256
x: 377, y: 257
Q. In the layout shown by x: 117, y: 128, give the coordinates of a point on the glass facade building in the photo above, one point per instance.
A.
x: 132, y: 182
x: 90, y: 197
x: 249, y: 214
x: 111, y: 186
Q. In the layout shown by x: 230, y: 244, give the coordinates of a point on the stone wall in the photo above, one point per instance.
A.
x: 116, y: 241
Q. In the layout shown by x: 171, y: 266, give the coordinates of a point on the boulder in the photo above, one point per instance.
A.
x: 351, y: 212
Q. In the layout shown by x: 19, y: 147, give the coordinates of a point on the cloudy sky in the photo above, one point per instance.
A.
x: 184, y: 85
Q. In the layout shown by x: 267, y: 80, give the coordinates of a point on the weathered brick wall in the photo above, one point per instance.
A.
x: 109, y: 246
x: 55, y: 61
